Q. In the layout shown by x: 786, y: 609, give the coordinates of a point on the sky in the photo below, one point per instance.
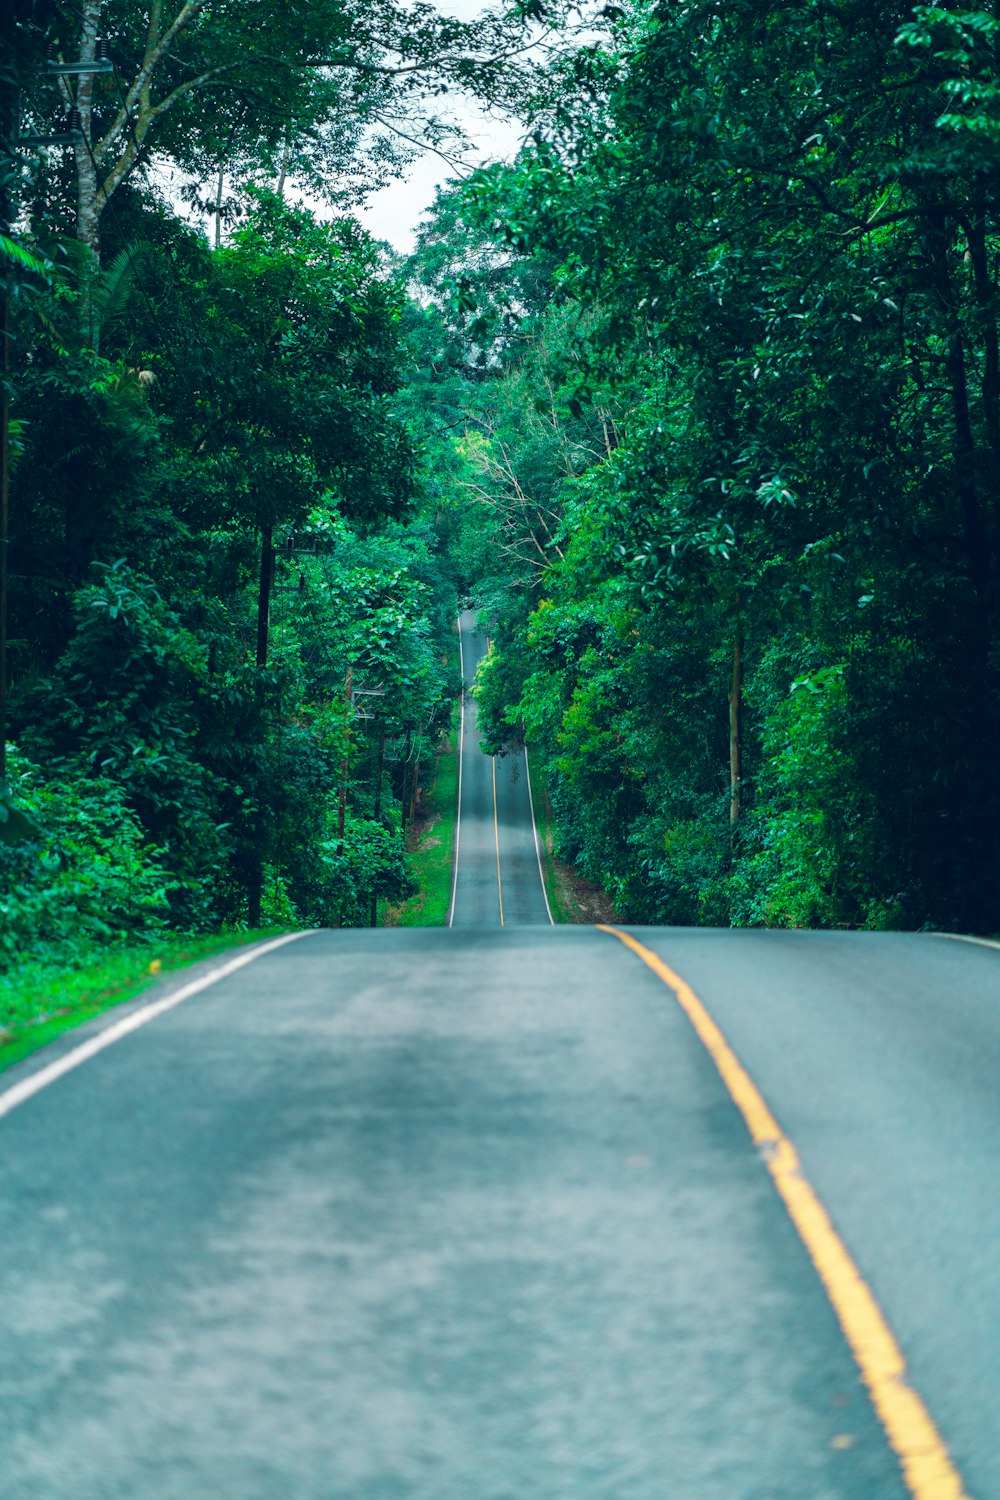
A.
x: 394, y: 212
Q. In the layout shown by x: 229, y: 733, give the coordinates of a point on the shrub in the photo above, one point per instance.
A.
x: 90, y: 876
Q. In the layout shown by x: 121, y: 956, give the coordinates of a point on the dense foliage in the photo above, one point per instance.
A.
x: 228, y: 618
x: 210, y: 586
x: 699, y: 399
x: 741, y: 461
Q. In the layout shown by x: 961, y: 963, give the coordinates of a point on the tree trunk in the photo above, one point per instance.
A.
x: 255, y: 883
x: 986, y: 307
x: 218, y: 206
x: 736, y: 728
x: 264, y: 592
x: 403, y: 804
x: 416, y: 787
x: 378, y: 805
x: 346, y: 764
x: 87, y: 212
x: 974, y: 532
x: 255, y: 890
x: 286, y: 152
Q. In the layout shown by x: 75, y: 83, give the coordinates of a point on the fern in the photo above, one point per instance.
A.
x: 112, y: 285
x: 16, y: 254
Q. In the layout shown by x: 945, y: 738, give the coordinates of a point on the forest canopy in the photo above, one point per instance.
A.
x: 738, y: 453
x: 697, y: 400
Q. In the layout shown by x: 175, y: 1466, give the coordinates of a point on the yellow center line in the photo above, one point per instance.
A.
x: 926, y: 1463
x: 496, y: 830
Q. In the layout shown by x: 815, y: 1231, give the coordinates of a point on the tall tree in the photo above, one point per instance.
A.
x: 785, y: 223
x: 301, y: 86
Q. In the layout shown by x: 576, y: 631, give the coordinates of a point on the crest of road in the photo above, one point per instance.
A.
x: 497, y: 873
x: 512, y: 1211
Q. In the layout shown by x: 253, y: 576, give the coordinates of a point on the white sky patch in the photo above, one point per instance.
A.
x: 394, y: 212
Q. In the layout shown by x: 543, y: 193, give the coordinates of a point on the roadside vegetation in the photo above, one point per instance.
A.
x: 227, y: 613
x: 698, y: 399
x: 571, y: 897
x: 725, y: 340
x: 433, y: 814
x: 431, y: 846
x: 39, y: 1001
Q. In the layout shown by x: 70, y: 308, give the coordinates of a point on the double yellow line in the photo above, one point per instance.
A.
x: 922, y: 1452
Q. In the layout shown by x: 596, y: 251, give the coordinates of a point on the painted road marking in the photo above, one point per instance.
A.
x: 922, y: 1452
x: 534, y: 830
x: 496, y: 815
x: 496, y: 830
x: 35, y: 1082
x: 461, y: 754
x: 960, y: 937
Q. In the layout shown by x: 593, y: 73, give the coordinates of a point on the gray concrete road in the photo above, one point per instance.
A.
x: 453, y: 1215
x: 497, y: 875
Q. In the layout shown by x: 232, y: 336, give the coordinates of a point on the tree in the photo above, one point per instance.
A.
x: 290, y: 88
x: 782, y: 225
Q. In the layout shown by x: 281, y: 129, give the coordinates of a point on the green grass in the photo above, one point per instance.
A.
x: 39, y: 1002
x: 431, y: 848
x: 430, y: 858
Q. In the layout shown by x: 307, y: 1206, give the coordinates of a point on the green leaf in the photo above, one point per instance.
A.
x: 15, y: 826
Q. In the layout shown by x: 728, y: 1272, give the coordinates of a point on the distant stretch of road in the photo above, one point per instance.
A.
x: 513, y: 1213
x: 497, y: 872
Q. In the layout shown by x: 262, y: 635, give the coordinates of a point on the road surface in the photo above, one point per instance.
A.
x: 497, y: 872
x: 472, y: 1215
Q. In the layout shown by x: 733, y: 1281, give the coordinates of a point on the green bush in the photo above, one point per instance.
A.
x: 120, y: 706
x: 371, y: 865
x: 681, y: 873
x: 89, y: 877
x: 805, y: 838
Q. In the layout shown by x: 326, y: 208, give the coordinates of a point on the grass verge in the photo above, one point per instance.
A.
x: 571, y: 897
x: 431, y: 852
x: 40, y: 1001
x: 545, y: 823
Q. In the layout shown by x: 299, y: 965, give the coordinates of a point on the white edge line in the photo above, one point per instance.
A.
x: 534, y: 829
x: 496, y: 831
x: 461, y: 752
x: 28, y: 1087
x: 496, y: 816
x: 959, y: 937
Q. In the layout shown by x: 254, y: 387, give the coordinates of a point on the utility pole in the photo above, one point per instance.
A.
x: 264, y: 592
x: 378, y: 802
x: 345, y: 766
x: 9, y: 100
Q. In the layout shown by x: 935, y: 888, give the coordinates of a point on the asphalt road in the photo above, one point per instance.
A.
x: 497, y: 877
x: 471, y: 1215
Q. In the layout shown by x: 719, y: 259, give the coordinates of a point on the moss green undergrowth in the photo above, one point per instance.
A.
x: 41, y: 1001
x: 431, y: 854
